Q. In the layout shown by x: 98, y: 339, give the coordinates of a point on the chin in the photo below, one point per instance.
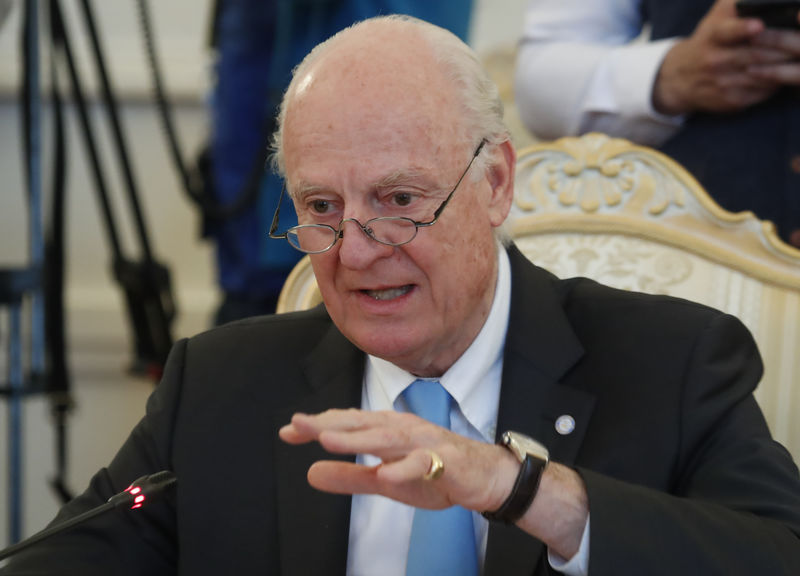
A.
x: 387, y: 343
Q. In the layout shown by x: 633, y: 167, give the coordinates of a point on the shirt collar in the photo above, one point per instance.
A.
x: 474, y: 380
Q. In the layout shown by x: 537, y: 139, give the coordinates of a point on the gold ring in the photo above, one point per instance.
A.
x: 436, y: 469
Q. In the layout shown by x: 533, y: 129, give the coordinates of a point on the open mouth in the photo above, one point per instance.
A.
x: 389, y: 293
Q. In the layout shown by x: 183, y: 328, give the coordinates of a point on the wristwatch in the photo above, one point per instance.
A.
x: 533, y: 458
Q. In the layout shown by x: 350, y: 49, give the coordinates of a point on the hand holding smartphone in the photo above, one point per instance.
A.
x: 774, y: 13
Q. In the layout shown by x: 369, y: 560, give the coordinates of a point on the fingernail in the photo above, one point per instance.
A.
x: 754, y: 26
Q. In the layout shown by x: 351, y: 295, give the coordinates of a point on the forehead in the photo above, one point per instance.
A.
x: 371, y: 98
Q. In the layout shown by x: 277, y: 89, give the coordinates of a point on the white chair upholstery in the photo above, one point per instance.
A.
x: 630, y: 217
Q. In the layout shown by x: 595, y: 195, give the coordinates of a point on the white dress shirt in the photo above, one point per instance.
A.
x: 380, y: 528
x: 580, y: 70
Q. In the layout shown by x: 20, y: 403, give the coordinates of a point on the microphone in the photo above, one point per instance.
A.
x: 140, y: 492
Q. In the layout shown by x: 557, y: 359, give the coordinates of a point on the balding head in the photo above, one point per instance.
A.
x: 397, y: 53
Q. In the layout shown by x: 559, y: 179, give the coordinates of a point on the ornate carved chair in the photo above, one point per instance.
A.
x: 300, y: 290
x: 630, y: 217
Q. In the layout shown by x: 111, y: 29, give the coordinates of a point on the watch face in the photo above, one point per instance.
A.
x: 523, y: 446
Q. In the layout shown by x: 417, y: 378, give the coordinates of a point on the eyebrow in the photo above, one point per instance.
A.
x: 400, y: 177
x: 303, y: 189
x: 396, y: 178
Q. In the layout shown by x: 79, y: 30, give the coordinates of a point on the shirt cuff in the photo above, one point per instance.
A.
x: 578, y: 565
x: 620, y: 98
x: 623, y: 82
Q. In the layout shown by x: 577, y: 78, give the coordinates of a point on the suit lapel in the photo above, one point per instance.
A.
x: 540, y: 349
x: 314, y: 526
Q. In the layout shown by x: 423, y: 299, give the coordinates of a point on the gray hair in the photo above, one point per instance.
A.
x: 480, y: 98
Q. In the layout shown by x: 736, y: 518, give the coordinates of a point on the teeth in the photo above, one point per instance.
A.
x: 389, y: 293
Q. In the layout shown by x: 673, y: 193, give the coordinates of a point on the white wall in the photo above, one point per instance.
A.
x: 108, y: 401
x: 496, y: 24
x: 180, y: 31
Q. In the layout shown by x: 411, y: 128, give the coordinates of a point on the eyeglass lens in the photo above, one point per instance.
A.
x: 317, y: 238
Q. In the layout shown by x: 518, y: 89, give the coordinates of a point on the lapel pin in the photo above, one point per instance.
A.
x: 565, y: 424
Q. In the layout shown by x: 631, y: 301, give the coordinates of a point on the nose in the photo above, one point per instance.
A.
x: 356, y: 249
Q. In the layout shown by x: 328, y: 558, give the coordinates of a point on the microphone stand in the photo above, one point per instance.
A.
x: 144, y: 490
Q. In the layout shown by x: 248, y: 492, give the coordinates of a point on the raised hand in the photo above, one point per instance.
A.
x: 476, y: 475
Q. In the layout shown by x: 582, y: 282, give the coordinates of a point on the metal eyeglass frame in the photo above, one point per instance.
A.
x: 338, y: 233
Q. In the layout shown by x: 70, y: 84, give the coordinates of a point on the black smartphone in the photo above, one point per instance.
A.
x: 774, y: 14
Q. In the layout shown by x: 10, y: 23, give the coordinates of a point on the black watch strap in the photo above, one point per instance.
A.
x: 523, y: 492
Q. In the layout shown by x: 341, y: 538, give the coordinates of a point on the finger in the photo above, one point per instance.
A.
x: 736, y: 61
x: 347, y: 478
x: 716, y: 63
x: 346, y: 419
x: 768, y: 55
x: 389, y: 438
x: 733, y: 99
x: 343, y: 477
x: 290, y: 435
x: 386, y: 443
x: 333, y: 419
x: 340, y: 431
x: 786, y: 73
x: 308, y: 427
x: 745, y: 88
x: 735, y: 31
x: 297, y: 431
x: 412, y: 468
x: 784, y: 41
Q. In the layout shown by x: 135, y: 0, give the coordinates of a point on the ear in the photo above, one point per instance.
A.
x: 500, y: 174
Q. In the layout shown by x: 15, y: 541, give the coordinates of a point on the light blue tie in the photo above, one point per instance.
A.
x: 442, y: 541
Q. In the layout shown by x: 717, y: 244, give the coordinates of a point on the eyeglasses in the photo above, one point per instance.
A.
x: 389, y: 230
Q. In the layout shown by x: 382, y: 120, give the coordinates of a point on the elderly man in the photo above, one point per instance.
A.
x: 629, y: 439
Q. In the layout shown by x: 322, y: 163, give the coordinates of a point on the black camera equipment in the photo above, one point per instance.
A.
x: 198, y: 182
x: 144, y: 281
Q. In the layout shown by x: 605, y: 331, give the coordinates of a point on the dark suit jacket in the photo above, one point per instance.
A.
x: 681, y: 472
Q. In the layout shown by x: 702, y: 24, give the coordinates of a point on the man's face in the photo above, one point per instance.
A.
x: 381, y: 136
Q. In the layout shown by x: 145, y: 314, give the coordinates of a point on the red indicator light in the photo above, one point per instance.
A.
x: 136, y: 490
x: 135, y: 506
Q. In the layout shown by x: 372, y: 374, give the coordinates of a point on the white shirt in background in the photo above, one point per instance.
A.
x: 579, y: 69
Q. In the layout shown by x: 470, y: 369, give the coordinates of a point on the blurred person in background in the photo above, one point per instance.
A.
x: 716, y: 92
